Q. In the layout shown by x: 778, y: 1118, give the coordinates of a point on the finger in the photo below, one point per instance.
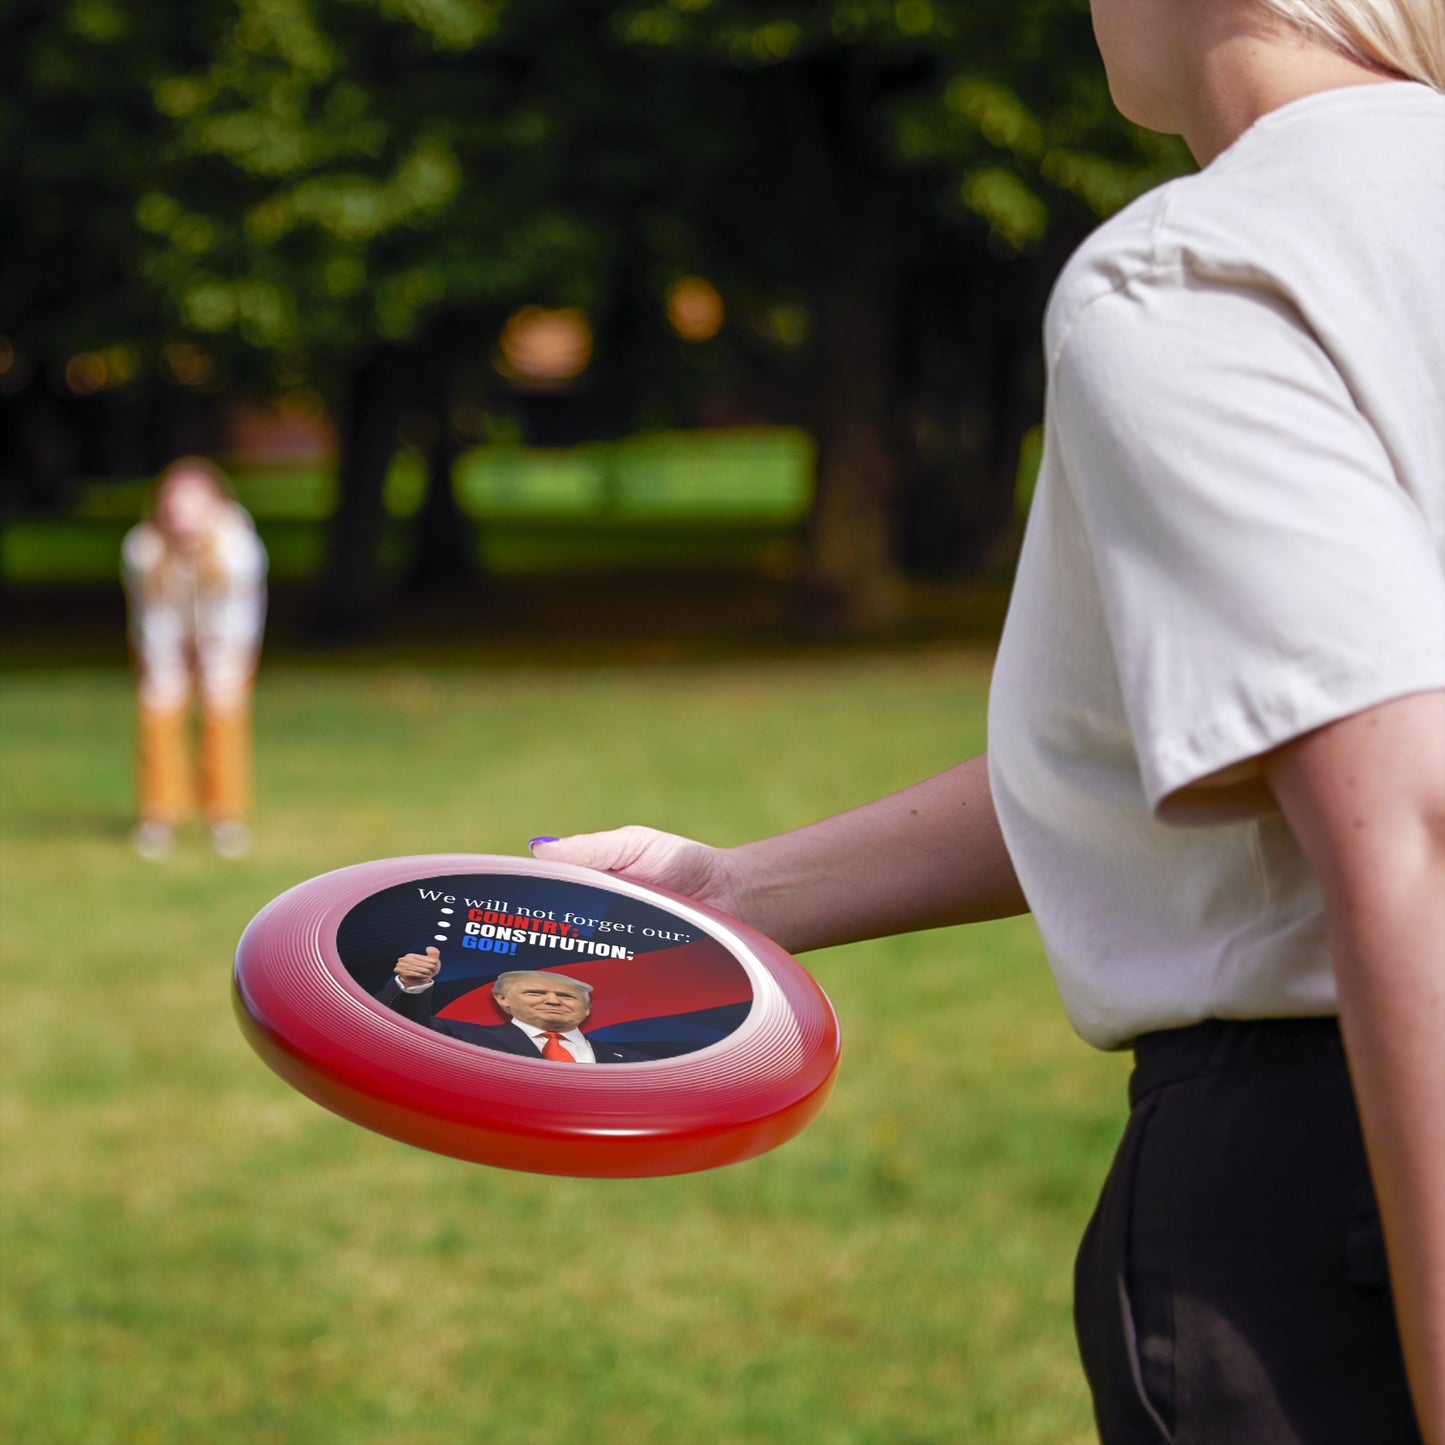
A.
x: 610, y: 852
x: 433, y: 955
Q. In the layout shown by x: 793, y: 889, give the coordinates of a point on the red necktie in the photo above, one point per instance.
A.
x: 553, y: 1049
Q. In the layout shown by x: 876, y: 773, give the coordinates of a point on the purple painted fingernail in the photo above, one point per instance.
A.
x: 532, y: 843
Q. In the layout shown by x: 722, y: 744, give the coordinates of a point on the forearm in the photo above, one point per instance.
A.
x: 1390, y: 971
x: 929, y: 856
x: 1366, y: 799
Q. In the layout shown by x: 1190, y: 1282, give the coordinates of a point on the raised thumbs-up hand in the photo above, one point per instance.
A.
x: 415, y: 968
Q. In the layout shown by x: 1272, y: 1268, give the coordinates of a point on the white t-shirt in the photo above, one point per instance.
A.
x: 1238, y: 536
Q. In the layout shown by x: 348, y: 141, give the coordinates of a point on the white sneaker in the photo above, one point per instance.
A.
x: 231, y: 840
x: 152, y: 840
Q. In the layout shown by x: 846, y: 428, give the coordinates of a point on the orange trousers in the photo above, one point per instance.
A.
x: 164, y: 775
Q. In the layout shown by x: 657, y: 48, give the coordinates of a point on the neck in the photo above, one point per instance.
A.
x: 1248, y: 65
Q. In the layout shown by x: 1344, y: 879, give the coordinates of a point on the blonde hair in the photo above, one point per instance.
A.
x: 1404, y: 37
x: 211, y: 572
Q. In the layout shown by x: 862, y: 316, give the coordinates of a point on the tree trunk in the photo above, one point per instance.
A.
x: 46, y: 451
x: 442, y: 556
x: 852, y: 561
x: 350, y: 598
x: 851, y: 261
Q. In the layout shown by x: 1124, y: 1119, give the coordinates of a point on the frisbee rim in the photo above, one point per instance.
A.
x: 315, y: 1025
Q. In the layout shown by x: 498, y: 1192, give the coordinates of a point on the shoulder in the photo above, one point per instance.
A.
x: 491, y: 1031
x: 1310, y: 201
x: 501, y: 1037
x: 504, y: 1036
x: 240, y: 550
x: 142, y: 548
x: 1114, y: 256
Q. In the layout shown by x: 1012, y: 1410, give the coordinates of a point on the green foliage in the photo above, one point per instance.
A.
x: 195, y: 1252
x: 351, y: 196
x: 299, y: 178
x: 78, y: 140
x: 1004, y: 106
x: 351, y: 146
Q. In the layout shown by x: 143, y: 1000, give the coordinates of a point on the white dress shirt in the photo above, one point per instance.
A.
x: 572, y: 1040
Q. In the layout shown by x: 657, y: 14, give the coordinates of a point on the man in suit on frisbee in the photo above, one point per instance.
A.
x: 546, y: 1012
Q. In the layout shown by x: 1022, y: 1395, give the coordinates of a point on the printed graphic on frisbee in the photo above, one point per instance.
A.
x: 551, y: 1018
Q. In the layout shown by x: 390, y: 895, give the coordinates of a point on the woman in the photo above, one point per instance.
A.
x: 1217, y: 757
x: 195, y: 582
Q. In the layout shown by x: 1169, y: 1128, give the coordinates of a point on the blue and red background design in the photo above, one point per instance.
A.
x: 673, y: 996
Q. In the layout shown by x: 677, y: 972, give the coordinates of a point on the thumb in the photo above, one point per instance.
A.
x: 434, y: 954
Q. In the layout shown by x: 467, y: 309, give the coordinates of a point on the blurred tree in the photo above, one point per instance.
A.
x: 351, y: 197
x: 375, y: 187
x: 917, y: 171
x: 79, y: 139
x: 363, y: 190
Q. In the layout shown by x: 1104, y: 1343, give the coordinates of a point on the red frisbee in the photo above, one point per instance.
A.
x: 709, y: 1044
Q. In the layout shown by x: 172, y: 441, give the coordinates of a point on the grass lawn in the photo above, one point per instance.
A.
x: 194, y: 1252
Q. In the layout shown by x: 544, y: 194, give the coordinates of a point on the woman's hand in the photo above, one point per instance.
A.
x: 659, y: 860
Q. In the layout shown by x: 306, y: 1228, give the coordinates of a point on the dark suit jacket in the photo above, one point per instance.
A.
x: 504, y: 1038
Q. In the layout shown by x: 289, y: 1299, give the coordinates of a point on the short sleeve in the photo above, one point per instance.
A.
x: 241, y: 552
x: 1263, y: 570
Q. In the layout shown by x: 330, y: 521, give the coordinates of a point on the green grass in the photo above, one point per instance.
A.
x: 193, y: 1252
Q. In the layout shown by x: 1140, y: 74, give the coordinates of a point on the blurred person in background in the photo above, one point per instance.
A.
x: 1216, y: 767
x: 195, y: 583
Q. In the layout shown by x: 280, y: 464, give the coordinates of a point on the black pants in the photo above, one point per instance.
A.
x: 1231, y: 1288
